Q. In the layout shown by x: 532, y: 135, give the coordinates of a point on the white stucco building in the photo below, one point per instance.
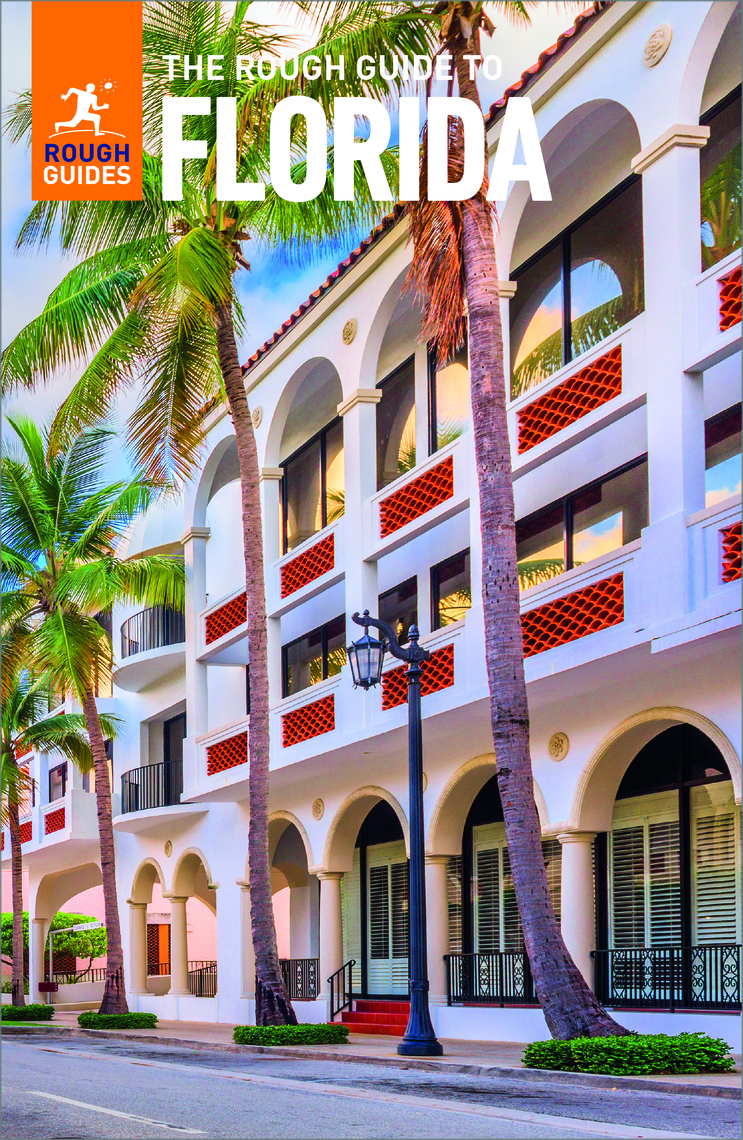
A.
x: 622, y: 329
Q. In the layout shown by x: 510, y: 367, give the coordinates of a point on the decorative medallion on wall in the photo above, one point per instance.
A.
x: 349, y: 330
x: 558, y: 746
x: 257, y: 417
x: 318, y: 809
x: 168, y: 848
x: 657, y: 45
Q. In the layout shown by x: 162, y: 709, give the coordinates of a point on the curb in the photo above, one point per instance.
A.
x: 590, y: 1080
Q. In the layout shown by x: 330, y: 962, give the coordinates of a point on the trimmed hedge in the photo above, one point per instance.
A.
x: 636, y: 1054
x: 92, y: 1020
x: 36, y: 1011
x: 335, y: 1034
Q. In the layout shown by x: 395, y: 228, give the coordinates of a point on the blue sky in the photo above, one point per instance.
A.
x: 271, y: 291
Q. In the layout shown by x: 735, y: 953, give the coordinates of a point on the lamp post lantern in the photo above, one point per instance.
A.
x: 366, y: 658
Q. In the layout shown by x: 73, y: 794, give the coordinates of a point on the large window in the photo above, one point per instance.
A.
x: 314, y: 657
x: 584, y: 525
x: 449, y: 399
x: 451, y: 593
x: 582, y: 287
x: 399, y: 608
x: 721, y: 181
x: 312, y: 490
x: 57, y: 782
x: 396, y: 424
x: 722, y: 456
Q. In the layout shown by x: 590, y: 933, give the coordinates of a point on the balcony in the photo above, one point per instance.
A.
x: 713, y: 328
x: 70, y: 821
x: 147, y: 794
x: 222, y: 631
x: 152, y: 645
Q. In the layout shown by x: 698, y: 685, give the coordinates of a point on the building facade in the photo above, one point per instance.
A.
x: 621, y: 309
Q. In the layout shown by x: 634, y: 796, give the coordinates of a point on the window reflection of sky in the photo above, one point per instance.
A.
x: 722, y: 481
x: 546, y: 321
x: 601, y: 538
x: 592, y: 284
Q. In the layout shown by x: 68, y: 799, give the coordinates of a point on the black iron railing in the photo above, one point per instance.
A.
x: 300, y: 977
x: 152, y: 629
x: 154, y: 785
x: 489, y: 979
x: 341, y: 988
x: 71, y: 979
x: 669, y: 977
x: 202, y: 979
x: 158, y: 969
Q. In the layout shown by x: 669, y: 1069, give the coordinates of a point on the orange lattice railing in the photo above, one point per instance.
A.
x: 417, y: 497
x: 730, y: 300
x: 228, y: 617
x: 54, y: 821
x: 227, y: 754
x: 26, y: 831
x: 22, y: 750
x: 308, y: 721
x: 306, y: 567
x: 731, y: 553
x: 438, y: 673
x: 595, y: 607
x: 597, y: 383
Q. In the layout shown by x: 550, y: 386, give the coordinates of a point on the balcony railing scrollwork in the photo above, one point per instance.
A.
x: 153, y: 786
x: 669, y: 977
x: 489, y: 979
x: 153, y: 628
x: 300, y: 977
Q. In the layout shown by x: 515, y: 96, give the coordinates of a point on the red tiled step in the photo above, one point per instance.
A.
x: 376, y: 1030
x: 377, y: 1018
x: 366, y: 1005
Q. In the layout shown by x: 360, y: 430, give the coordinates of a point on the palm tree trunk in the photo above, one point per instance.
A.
x: 272, y: 1005
x: 570, y: 1007
x: 114, y: 993
x: 16, y: 863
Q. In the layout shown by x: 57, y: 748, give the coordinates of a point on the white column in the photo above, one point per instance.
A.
x: 331, y: 927
x: 248, y: 954
x: 675, y: 399
x: 299, y: 922
x: 194, y: 556
x: 359, y: 413
x: 577, y: 904
x: 270, y: 482
x: 437, y: 926
x: 36, y: 959
x: 137, y: 947
x: 178, y: 946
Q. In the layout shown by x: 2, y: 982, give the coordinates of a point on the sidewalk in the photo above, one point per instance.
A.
x: 484, y: 1058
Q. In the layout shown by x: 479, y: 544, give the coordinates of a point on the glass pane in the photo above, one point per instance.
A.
x: 606, y: 270
x: 721, y: 186
x: 540, y: 547
x: 303, y: 663
x: 175, y: 731
x: 57, y: 782
x: 722, y: 461
x: 452, y: 384
x: 302, y: 506
x: 379, y: 912
x: 610, y: 515
x: 396, y: 425
x: 536, y: 323
x: 454, y: 589
x: 336, y: 631
x: 399, y: 608
x: 335, y: 497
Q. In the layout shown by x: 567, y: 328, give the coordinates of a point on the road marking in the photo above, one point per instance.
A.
x: 113, y: 1112
x: 570, y: 1124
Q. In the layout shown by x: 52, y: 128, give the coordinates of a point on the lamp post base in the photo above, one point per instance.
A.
x: 420, y: 1047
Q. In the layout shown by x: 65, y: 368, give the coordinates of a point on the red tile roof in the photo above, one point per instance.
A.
x: 582, y: 22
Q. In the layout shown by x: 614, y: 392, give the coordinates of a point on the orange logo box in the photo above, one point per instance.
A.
x: 87, y: 100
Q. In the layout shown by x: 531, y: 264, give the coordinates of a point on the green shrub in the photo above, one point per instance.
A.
x: 92, y: 1020
x: 7, y: 986
x: 335, y: 1034
x: 634, y: 1054
x: 33, y: 1012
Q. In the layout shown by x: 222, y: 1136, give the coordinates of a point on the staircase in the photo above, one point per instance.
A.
x: 387, y: 1017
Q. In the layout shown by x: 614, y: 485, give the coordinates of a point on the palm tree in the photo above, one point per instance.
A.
x: 156, y: 296
x: 24, y: 727
x: 454, y: 260
x: 60, y: 572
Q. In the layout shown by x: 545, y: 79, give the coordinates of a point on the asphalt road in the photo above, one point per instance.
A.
x: 83, y: 1088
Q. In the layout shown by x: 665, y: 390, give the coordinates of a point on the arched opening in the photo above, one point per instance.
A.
x: 296, y: 906
x: 77, y: 963
x: 667, y: 873
x: 193, y: 928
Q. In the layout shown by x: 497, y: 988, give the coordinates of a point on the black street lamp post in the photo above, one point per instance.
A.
x: 366, y: 658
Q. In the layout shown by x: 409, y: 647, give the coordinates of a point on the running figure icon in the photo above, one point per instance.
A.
x: 86, y: 105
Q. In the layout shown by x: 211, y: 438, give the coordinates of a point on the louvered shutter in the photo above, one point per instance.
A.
x: 454, y: 902
x: 487, y: 902
x: 664, y: 884
x: 400, y: 923
x: 628, y: 887
x: 552, y: 852
x: 715, y: 880
x: 513, y: 938
x: 351, y: 908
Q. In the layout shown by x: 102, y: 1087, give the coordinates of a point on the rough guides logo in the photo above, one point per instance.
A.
x: 87, y: 100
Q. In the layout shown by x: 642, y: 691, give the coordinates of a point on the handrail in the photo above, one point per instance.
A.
x: 670, y: 977
x: 153, y: 628
x: 152, y: 786
x: 341, y: 985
